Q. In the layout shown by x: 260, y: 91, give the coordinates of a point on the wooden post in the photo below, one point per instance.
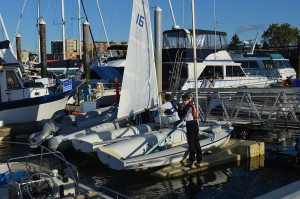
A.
x: 43, y: 61
x: 18, y: 45
x: 86, y: 56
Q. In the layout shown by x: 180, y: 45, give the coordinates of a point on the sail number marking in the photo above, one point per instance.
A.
x: 140, y: 20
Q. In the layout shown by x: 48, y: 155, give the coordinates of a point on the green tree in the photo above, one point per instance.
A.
x: 280, y: 35
x: 234, y: 41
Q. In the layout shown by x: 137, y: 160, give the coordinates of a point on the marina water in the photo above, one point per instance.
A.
x: 247, y: 179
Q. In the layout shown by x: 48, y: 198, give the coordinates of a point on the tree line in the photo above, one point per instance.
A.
x: 276, y: 36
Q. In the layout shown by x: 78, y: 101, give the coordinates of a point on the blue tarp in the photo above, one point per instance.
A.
x: 106, y: 73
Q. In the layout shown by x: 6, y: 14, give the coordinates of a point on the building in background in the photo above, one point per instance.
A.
x: 72, y: 49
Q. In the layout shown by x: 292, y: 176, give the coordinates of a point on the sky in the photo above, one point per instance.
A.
x: 241, y: 17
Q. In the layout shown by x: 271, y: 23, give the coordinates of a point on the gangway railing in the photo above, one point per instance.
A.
x: 247, y: 104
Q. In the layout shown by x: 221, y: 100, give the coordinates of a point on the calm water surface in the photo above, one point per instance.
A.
x: 248, y: 179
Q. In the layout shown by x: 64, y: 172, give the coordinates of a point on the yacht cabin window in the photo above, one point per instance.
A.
x: 278, y: 64
x: 12, y: 81
x: 215, y: 71
x: 253, y: 64
x: 234, y: 71
x: 249, y: 64
x: 287, y: 64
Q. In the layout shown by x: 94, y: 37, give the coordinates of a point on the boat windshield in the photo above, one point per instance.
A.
x: 278, y: 64
x: 207, y: 41
x: 204, y: 39
x: 178, y: 39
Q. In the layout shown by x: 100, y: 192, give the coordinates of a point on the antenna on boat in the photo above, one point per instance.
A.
x: 175, y: 25
x: 4, y: 28
x: 253, y: 45
x: 19, y: 22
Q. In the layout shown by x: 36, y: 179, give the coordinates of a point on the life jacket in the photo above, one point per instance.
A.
x: 173, y: 109
x: 194, y: 110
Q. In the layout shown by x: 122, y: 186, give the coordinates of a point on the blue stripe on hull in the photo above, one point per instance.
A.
x: 33, y: 101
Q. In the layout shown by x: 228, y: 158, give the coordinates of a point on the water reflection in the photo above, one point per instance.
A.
x: 245, y: 179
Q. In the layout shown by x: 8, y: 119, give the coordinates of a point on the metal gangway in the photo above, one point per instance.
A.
x: 247, y: 105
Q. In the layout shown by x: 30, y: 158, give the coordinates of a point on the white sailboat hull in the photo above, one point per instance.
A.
x: 130, y: 154
x: 39, y: 110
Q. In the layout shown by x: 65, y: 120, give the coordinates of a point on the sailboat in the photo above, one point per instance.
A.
x: 25, y: 101
x: 139, y: 85
x: 156, y: 148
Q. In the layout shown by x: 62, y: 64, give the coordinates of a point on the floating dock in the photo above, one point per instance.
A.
x: 234, y: 151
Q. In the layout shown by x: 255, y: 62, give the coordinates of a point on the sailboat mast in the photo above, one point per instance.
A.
x: 63, y: 28
x: 38, y: 28
x: 195, y: 56
x: 215, y: 26
x: 79, y: 28
x: 101, y: 18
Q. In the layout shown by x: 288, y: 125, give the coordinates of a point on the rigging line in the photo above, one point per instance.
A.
x: 183, y: 2
x: 19, y: 22
x: 111, y: 14
x: 47, y: 9
x: 90, y: 31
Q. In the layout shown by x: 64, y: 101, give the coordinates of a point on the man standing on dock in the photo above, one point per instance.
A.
x: 189, y: 115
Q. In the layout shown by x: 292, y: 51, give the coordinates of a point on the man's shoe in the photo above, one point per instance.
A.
x: 189, y: 164
x: 198, y: 164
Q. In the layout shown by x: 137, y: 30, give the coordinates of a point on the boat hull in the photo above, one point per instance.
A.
x: 32, y: 109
